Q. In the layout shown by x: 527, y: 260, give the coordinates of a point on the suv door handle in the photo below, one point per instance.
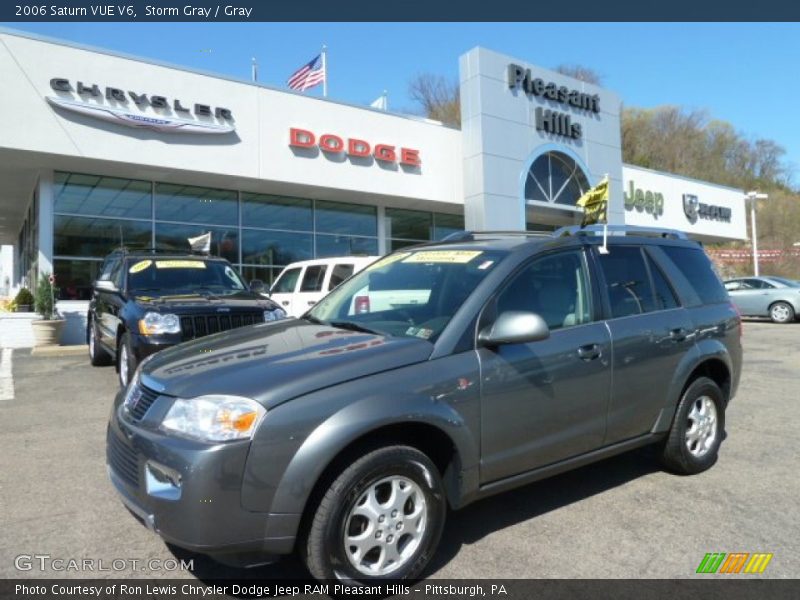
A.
x: 285, y: 303
x: 679, y: 334
x: 312, y: 302
x: 589, y: 352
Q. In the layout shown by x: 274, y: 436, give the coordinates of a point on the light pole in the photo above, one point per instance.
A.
x: 753, y: 196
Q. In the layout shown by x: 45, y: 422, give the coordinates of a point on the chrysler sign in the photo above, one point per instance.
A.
x: 125, y: 107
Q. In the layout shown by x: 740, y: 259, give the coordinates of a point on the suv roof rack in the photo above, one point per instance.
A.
x: 468, y: 236
x: 601, y: 229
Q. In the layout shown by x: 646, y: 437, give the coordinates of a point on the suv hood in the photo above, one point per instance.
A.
x: 192, y: 301
x: 275, y: 362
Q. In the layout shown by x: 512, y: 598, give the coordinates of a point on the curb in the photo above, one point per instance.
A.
x: 55, y: 350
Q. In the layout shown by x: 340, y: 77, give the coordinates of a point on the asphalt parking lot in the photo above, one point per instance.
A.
x: 621, y: 518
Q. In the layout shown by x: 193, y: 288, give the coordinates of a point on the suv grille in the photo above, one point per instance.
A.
x: 122, y: 459
x: 138, y: 400
x: 195, y: 326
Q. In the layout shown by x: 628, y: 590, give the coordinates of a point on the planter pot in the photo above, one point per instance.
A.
x: 47, y: 333
x: 24, y: 308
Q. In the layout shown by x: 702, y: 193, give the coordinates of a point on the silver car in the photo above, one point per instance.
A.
x: 774, y: 297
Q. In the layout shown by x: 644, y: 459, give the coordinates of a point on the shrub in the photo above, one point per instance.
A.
x: 45, y: 293
x: 24, y: 296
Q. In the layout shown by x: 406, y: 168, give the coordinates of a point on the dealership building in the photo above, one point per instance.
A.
x: 99, y: 149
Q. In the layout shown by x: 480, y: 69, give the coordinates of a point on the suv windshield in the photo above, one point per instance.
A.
x: 167, y: 275
x: 411, y: 293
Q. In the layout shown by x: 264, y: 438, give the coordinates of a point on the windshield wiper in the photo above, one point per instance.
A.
x: 352, y: 326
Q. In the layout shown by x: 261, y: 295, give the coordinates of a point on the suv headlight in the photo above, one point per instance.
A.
x: 213, y: 418
x: 276, y: 314
x: 154, y: 323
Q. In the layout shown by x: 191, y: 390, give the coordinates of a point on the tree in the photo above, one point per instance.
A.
x: 580, y: 72
x: 438, y: 98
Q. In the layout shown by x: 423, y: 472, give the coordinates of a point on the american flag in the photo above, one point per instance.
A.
x: 309, y: 75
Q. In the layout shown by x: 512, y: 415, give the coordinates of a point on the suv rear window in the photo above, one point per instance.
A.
x: 339, y: 274
x: 698, y: 270
x: 627, y: 281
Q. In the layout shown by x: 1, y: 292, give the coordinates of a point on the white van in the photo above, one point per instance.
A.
x: 302, y: 284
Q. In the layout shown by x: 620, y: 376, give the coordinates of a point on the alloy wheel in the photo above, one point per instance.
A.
x: 385, y: 526
x: 123, y: 365
x: 780, y: 313
x: 701, y: 428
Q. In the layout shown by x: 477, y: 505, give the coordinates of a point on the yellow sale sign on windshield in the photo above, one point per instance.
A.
x: 443, y: 256
x: 180, y: 264
x: 140, y: 266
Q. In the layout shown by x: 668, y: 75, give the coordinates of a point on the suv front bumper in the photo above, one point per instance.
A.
x: 189, y: 493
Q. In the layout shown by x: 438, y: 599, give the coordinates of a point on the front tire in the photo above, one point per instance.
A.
x: 697, y: 429
x: 126, y: 361
x: 381, y: 518
x: 98, y: 357
x: 781, y: 312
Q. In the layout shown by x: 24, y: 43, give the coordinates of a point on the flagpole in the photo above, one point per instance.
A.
x: 385, y: 100
x: 254, y: 69
x: 324, y: 71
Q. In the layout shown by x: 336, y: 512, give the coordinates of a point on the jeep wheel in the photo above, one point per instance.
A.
x: 98, y: 357
x: 126, y: 361
x: 381, y: 518
x: 781, y: 312
x: 697, y: 429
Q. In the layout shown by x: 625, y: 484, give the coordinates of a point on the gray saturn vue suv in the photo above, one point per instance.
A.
x: 477, y: 364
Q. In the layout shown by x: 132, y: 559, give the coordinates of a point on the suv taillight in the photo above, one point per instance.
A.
x: 361, y: 304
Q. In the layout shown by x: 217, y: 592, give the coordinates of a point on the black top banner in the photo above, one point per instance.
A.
x: 404, y: 10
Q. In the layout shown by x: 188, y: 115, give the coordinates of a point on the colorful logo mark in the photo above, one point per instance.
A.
x: 734, y: 563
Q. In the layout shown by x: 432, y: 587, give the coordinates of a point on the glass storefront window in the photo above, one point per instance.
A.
x: 349, y: 219
x: 408, y: 224
x: 74, y: 278
x: 79, y: 194
x: 397, y: 244
x: 444, y: 225
x: 266, y: 274
x: 190, y: 204
x: 224, y: 241
x: 345, y: 245
x: 276, y: 212
x: 88, y: 237
x: 275, y: 247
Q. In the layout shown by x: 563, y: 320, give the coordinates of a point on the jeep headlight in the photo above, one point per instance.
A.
x: 276, y: 314
x: 213, y: 418
x: 154, y: 323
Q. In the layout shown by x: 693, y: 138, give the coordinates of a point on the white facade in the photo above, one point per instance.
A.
x: 57, y: 121
x: 654, y: 199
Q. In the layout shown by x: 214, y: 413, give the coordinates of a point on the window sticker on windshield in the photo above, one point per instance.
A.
x: 180, y: 264
x: 412, y: 330
x: 140, y: 266
x: 485, y: 265
x: 443, y: 256
x: 231, y: 274
x: 387, y: 260
x: 424, y: 333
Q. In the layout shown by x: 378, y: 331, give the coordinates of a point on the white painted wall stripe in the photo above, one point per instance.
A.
x: 6, y: 375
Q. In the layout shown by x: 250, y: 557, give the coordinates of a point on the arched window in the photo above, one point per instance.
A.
x: 556, y: 178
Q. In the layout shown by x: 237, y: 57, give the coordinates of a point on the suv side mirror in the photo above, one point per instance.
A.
x: 105, y: 285
x: 256, y: 285
x: 514, y: 327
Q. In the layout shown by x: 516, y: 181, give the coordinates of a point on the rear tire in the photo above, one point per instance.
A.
x: 126, y: 361
x: 98, y: 357
x: 381, y: 518
x: 781, y: 312
x: 697, y: 429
